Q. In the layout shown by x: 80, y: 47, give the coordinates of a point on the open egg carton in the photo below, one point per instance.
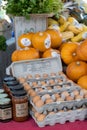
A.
x: 59, y: 116
x: 59, y: 100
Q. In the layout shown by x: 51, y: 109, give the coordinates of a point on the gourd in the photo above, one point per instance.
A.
x: 68, y: 52
x: 41, y: 41
x: 83, y: 82
x: 24, y: 40
x: 51, y: 53
x: 82, y: 51
x: 67, y: 35
x: 76, y: 69
x: 56, y: 38
x: 64, y: 26
x: 25, y: 54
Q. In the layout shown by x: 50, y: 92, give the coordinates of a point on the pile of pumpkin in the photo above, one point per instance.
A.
x: 38, y: 45
x: 74, y: 55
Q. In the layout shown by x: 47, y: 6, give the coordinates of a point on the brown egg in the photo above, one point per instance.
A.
x: 57, y: 87
x: 41, y: 117
x: 46, y: 96
x: 83, y: 92
x: 31, y: 92
x: 59, y: 81
x: 43, y: 83
x: 36, y: 114
x: 51, y: 81
x: 34, y: 83
x: 27, y: 87
x: 64, y: 94
x: 76, y: 92
x: 21, y: 80
x: 49, y: 88
x: 29, y: 76
x: 36, y: 98
x: 39, y: 103
x: 85, y: 96
x: 40, y: 89
x: 51, y: 113
x: 48, y: 101
x: 53, y: 74
x: 45, y: 75
x: 33, y: 109
x: 57, y: 95
x: 78, y: 97
x: 37, y: 76
x: 69, y: 98
x: 59, y: 99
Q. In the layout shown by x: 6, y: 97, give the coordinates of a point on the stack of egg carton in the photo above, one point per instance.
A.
x: 53, y: 98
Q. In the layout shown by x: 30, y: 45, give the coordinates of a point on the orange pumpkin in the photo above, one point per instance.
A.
x: 50, y: 53
x: 41, y: 41
x: 83, y: 82
x: 24, y: 40
x: 68, y: 52
x: 82, y: 51
x: 56, y: 38
x: 76, y: 69
x: 25, y: 54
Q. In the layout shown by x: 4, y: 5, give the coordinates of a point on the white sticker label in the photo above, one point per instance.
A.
x: 47, y: 42
x: 84, y: 36
x: 22, y: 109
x: 26, y: 42
x: 79, y: 26
x: 54, y: 54
x: 55, y: 26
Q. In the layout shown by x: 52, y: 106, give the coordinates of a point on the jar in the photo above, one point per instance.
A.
x: 9, y: 84
x: 5, y: 109
x: 20, y: 106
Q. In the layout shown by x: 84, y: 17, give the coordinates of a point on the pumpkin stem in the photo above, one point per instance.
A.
x: 74, y: 54
x: 41, y: 34
x: 78, y: 63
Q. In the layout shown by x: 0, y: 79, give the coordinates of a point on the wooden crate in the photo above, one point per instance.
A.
x: 37, y: 22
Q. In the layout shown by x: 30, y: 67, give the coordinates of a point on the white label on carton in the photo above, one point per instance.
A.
x: 22, y: 109
x: 26, y: 42
x: 5, y: 113
x: 47, y: 42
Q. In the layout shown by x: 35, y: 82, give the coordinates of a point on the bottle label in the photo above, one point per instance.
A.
x: 5, y: 113
x: 26, y: 42
x: 22, y: 109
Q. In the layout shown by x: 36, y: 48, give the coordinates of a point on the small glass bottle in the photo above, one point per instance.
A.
x: 20, y: 106
x: 5, y: 109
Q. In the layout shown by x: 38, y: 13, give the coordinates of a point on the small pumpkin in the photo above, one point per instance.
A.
x: 41, y: 41
x: 68, y: 52
x: 56, y: 38
x: 76, y: 69
x: 25, y: 54
x: 51, y: 53
x: 82, y: 50
x: 24, y: 40
x: 83, y: 82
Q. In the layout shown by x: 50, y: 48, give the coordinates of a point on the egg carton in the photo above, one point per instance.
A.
x: 66, y: 86
x: 36, y: 66
x: 59, y: 104
x: 62, y: 117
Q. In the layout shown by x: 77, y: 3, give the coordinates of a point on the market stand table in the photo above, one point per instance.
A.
x: 31, y: 125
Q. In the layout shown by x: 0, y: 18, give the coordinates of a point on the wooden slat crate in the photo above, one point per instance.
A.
x: 37, y: 22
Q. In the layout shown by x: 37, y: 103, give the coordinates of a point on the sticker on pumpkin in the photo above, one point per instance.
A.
x: 47, y: 42
x: 84, y: 36
x: 26, y: 42
x: 54, y: 54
